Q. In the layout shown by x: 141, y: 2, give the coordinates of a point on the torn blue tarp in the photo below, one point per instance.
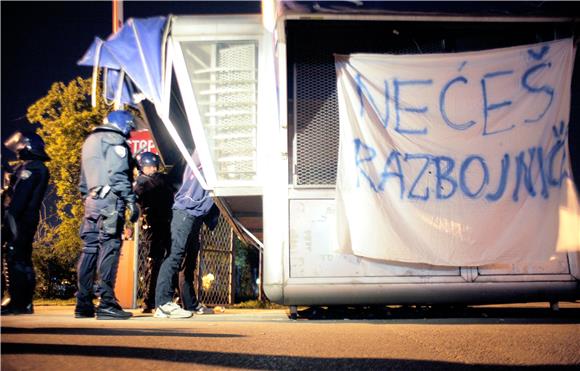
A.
x: 112, y: 88
x: 96, y: 55
x: 137, y: 47
x: 137, y: 51
x: 114, y: 82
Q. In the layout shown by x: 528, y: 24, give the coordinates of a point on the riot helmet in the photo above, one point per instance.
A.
x: 28, y: 146
x: 120, y: 121
x: 148, y: 159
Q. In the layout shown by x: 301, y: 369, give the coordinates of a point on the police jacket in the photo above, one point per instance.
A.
x: 155, y: 196
x: 106, y: 161
x: 28, y: 192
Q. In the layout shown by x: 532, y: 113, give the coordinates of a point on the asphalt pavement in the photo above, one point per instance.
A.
x: 529, y: 336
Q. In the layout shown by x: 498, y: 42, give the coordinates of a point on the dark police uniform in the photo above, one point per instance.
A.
x: 155, y: 197
x: 22, y: 215
x: 106, y: 185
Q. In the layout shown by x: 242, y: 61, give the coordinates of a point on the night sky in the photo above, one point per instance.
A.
x: 42, y: 41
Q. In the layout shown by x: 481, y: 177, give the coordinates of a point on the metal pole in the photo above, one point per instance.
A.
x: 135, y: 264
x: 117, y: 15
x: 232, y: 296
x: 260, y: 275
x: 117, y: 23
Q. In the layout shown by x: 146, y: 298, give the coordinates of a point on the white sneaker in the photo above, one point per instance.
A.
x: 171, y: 310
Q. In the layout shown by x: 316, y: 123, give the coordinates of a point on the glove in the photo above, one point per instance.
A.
x: 134, y: 210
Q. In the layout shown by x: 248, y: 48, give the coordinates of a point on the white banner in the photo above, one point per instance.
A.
x: 457, y: 159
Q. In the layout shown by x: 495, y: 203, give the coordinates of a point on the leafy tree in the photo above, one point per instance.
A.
x: 246, y: 262
x: 66, y: 117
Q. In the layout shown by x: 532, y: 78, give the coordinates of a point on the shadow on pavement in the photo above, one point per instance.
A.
x: 109, y: 332
x: 444, y: 314
x: 251, y: 361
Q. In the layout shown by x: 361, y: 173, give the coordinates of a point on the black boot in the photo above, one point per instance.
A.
x: 112, y: 312
x: 13, y: 309
x: 84, y: 312
x: 7, y: 310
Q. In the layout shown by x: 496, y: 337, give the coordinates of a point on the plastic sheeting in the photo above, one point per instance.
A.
x: 137, y: 51
x: 457, y: 159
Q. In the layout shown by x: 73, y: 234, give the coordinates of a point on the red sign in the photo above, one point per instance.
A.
x: 141, y: 141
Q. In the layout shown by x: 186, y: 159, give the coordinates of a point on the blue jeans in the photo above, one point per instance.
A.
x: 182, y: 258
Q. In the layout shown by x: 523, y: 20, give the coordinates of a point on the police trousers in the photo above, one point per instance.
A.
x: 21, y: 275
x: 101, y: 234
x: 182, y: 258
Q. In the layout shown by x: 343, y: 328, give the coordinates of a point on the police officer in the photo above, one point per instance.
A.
x: 155, y: 198
x: 22, y: 199
x: 105, y: 184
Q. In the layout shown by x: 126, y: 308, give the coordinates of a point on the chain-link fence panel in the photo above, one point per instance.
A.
x: 213, y: 277
x: 143, y: 272
x: 215, y: 265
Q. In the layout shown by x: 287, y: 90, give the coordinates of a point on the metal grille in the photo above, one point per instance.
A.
x: 235, y: 142
x: 224, y: 80
x: 316, y: 121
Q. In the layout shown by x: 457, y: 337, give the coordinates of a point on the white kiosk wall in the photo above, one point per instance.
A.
x: 293, y: 164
